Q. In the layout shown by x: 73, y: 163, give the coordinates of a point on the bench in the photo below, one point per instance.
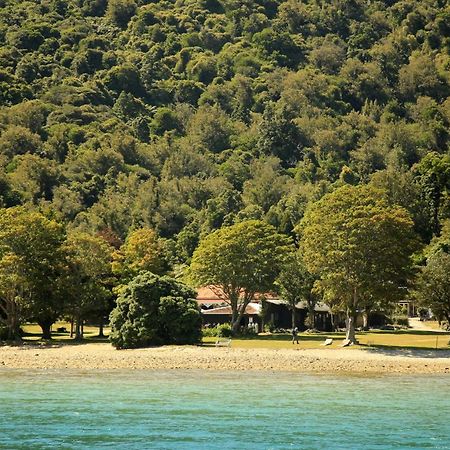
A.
x: 223, y: 342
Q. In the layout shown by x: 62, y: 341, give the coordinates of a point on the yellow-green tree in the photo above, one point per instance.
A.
x: 32, y: 262
x: 433, y: 283
x: 295, y: 284
x: 240, y: 260
x: 141, y: 252
x: 12, y: 289
x: 89, y: 277
x: 360, y: 246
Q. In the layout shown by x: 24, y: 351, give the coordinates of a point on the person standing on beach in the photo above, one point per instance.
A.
x: 295, y: 335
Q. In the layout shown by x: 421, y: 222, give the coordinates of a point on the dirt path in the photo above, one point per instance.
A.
x: 416, y: 324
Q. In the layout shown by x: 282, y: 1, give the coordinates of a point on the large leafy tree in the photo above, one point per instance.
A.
x: 433, y: 286
x: 142, y: 252
x: 32, y: 265
x: 240, y: 261
x: 295, y: 284
x: 433, y: 176
x: 360, y: 246
x: 89, y: 279
x: 433, y: 283
x: 154, y: 310
x: 12, y: 292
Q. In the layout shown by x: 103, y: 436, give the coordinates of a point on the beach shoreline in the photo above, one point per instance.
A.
x: 104, y: 356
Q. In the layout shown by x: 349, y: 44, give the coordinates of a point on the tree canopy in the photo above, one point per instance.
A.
x: 184, y: 116
x: 32, y: 267
x: 240, y: 260
x: 153, y: 124
x: 432, y: 290
x: 360, y: 246
x: 154, y: 310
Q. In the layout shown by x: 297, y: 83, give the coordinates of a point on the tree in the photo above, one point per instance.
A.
x: 210, y: 128
x: 433, y: 176
x: 267, y: 185
x: 295, y: 283
x: 433, y: 285
x: 141, y: 252
x: 32, y: 264
x: 433, y: 282
x: 34, y: 177
x: 121, y: 11
x: 240, y: 261
x: 12, y: 288
x: 420, y: 77
x: 154, y: 310
x: 17, y: 140
x: 279, y: 136
x: 359, y: 245
x: 89, y: 278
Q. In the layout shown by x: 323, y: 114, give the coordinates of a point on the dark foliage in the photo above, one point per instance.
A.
x: 155, y: 310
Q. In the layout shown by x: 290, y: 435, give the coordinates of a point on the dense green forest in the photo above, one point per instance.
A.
x: 184, y: 116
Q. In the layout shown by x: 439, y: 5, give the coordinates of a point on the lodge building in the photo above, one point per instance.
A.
x: 270, y: 309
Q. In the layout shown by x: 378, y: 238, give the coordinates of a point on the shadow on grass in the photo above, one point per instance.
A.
x: 288, y: 337
x: 412, y: 352
x: 58, y: 340
x: 411, y: 332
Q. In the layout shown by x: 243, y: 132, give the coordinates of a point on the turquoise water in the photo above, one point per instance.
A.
x: 213, y: 410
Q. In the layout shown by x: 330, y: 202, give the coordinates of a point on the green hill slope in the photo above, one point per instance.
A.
x: 187, y: 115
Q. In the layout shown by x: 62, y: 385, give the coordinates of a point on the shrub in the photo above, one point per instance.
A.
x: 223, y: 330
x: 209, y: 332
x: 154, y: 310
x: 401, y: 321
x: 121, y: 11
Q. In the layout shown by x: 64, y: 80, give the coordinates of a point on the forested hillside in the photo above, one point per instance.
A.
x: 186, y: 115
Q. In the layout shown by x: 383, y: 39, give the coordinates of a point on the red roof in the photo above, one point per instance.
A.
x: 213, y: 295
x: 209, y: 295
x: 251, y: 309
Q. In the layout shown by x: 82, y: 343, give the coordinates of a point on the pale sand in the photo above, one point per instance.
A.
x: 104, y: 356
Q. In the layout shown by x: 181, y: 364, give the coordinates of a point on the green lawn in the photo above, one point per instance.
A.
x: 33, y: 332
x: 392, y: 339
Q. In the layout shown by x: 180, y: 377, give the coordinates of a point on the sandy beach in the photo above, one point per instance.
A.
x: 104, y: 356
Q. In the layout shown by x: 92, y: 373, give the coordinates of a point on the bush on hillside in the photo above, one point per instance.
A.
x: 155, y: 310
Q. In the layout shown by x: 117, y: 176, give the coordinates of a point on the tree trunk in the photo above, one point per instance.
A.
x: 311, y: 317
x: 78, y: 329
x: 234, y: 312
x: 351, y: 319
x: 46, y: 326
x: 12, y: 319
x: 333, y: 325
x: 100, y: 328
x: 238, y: 314
x: 448, y: 319
x: 351, y: 333
x: 311, y: 305
x: 293, y: 317
x: 365, y: 320
x: 234, y: 320
x: 71, y: 327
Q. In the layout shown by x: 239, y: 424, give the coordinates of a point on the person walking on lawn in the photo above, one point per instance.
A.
x: 295, y: 335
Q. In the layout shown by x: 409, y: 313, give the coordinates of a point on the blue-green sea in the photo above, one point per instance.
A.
x: 215, y: 410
